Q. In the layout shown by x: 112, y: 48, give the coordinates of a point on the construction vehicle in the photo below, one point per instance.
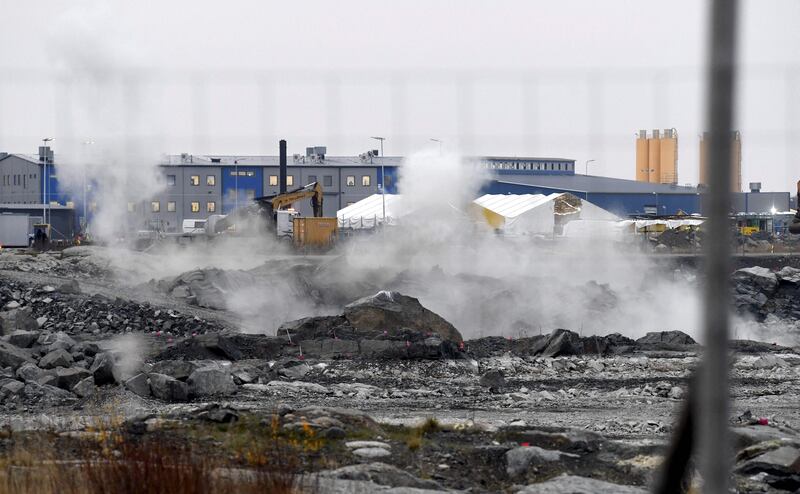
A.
x: 276, y: 213
x: 795, y: 226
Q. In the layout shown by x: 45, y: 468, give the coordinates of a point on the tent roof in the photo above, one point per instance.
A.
x: 366, y: 212
x: 513, y: 205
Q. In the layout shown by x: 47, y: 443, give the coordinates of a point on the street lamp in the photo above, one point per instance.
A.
x: 586, y: 170
x: 45, y: 202
x: 440, y: 144
x: 383, y: 177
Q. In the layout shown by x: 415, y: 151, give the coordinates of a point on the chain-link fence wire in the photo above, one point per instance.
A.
x: 576, y: 113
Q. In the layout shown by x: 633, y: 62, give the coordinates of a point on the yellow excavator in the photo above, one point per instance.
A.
x: 277, y: 214
x: 794, y: 228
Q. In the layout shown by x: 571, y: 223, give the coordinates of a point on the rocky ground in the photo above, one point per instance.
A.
x: 393, y: 396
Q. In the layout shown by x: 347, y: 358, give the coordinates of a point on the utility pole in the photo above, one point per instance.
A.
x: 383, y: 178
x: 586, y: 170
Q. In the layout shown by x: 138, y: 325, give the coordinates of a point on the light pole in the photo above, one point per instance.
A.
x: 383, y: 178
x: 45, y: 202
x: 440, y: 144
x: 586, y: 169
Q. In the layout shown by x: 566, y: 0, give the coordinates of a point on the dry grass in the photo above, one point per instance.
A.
x: 108, y: 460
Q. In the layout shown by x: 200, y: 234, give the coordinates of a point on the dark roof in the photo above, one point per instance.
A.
x: 593, y: 184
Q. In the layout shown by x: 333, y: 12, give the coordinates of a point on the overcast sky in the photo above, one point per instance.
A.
x: 545, y: 78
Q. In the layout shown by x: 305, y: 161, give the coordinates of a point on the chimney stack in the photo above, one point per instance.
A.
x: 282, y: 174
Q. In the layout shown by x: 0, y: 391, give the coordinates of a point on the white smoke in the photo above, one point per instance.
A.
x: 102, y: 144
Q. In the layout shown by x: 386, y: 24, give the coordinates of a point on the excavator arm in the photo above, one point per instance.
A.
x: 283, y: 201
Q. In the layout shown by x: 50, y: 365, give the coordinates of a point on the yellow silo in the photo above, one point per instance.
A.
x: 654, y: 156
x: 642, y: 157
x: 668, y: 158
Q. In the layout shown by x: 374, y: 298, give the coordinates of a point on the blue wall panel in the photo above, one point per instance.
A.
x: 234, y: 185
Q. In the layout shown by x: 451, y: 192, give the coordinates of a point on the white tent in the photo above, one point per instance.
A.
x: 368, y: 212
x: 520, y: 214
x: 538, y: 214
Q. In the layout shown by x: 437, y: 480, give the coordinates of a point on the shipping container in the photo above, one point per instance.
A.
x: 316, y: 233
x: 14, y: 230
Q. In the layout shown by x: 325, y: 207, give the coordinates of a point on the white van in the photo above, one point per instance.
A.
x: 194, y: 227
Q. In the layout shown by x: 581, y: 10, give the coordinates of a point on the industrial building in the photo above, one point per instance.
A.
x: 26, y: 198
x: 195, y: 187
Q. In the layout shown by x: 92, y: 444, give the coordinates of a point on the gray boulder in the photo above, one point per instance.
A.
x: 22, y: 338
x: 667, y: 337
x: 56, y: 358
x: 11, y: 356
x: 54, y: 341
x: 380, y: 473
x: 392, y: 311
x: 759, y: 277
x: 139, y: 384
x: 103, y: 369
x: 12, y: 387
x: 789, y: 274
x: 68, y: 377
x: 30, y: 372
x: 168, y: 388
x: 179, y: 369
x: 211, y: 381
x: 46, y: 394
x: 579, y: 485
x: 17, y: 320
x: 85, y: 387
x: 784, y: 460
x: 519, y: 459
x: 493, y: 379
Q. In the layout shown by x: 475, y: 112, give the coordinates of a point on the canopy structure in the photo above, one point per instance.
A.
x: 537, y: 214
x: 368, y: 212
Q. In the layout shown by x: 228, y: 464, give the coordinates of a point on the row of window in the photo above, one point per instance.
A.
x: 20, y: 179
x: 155, y: 206
x: 506, y: 165
x: 211, y: 180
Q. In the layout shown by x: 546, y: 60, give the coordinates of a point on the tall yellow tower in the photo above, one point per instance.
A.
x: 736, y: 161
x: 669, y: 157
x: 642, y: 157
x: 657, y: 157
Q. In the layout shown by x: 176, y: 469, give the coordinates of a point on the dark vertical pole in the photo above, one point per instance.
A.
x: 715, y: 455
x: 282, y: 174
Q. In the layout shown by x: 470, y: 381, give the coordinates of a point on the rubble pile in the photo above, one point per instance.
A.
x: 680, y: 239
x: 80, y: 262
x: 63, y: 308
x: 761, y: 292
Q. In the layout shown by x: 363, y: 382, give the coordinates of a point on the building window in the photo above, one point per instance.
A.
x: 312, y: 179
x: 171, y: 206
x: 131, y: 207
x: 195, y: 207
x: 251, y: 174
x: 211, y: 206
x: 289, y: 180
x: 350, y: 181
x: 273, y: 180
x: 194, y: 180
x: 171, y: 180
x: 211, y: 180
x: 155, y: 206
x: 365, y: 180
x: 250, y: 194
x: 327, y: 180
